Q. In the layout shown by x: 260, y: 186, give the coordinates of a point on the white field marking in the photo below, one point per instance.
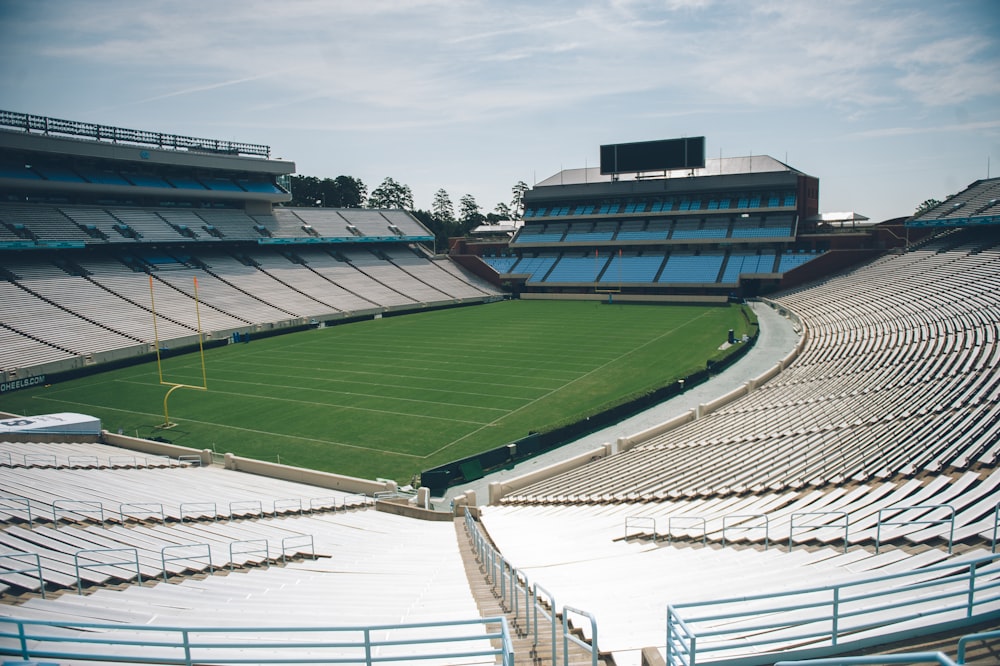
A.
x: 597, y: 369
x: 241, y: 429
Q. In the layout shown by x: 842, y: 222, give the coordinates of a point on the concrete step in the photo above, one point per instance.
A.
x: 526, y: 651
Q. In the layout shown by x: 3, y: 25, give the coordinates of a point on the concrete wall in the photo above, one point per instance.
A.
x: 626, y: 298
x: 312, y: 477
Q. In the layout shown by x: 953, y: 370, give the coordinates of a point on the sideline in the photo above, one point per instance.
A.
x: 778, y: 337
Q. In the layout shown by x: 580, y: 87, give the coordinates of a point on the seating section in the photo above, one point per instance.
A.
x: 886, y: 384
x: 980, y: 200
x: 103, y: 225
x: 736, y: 200
x: 101, y: 303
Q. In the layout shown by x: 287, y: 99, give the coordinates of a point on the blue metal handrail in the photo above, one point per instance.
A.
x: 18, y: 500
x: 125, y: 461
x: 908, y: 658
x: 766, y: 527
x: 151, y: 508
x: 996, y: 524
x: 295, y: 541
x: 266, y: 550
x: 695, y: 519
x: 98, y: 565
x: 195, y: 645
x: 964, y: 640
x: 322, y: 503
x: 294, y: 503
x: 37, y: 568
x: 186, y: 548
x: 920, y: 507
x: 199, y: 508
x: 792, y: 525
x: 246, y: 505
x: 551, y: 617
x: 78, y: 506
x: 568, y: 635
x: 818, y: 614
x: 640, y: 521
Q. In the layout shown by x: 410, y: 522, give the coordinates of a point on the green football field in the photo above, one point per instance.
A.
x: 394, y: 396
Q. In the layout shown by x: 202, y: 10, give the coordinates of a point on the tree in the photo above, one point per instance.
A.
x: 500, y: 214
x: 517, y: 201
x: 926, y: 206
x: 442, y: 208
x: 340, y: 192
x: 391, y: 194
x: 468, y: 211
x: 351, y: 192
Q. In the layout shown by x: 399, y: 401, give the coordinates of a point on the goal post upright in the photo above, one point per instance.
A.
x: 159, y: 364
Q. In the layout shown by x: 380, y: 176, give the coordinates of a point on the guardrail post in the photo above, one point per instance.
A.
x: 368, y: 647
x: 835, y: 630
x: 972, y: 591
x: 187, y: 647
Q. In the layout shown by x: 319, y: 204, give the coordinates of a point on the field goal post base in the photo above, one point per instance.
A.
x: 610, y: 291
x: 166, y: 425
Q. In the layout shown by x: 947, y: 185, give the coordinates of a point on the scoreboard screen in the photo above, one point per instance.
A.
x: 663, y: 155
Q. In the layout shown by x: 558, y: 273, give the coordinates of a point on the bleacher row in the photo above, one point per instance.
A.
x: 23, y: 224
x: 99, y: 302
x: 693, y: 202
x: 648, y: 266
x: 659, y: 230
x: 63, y: 173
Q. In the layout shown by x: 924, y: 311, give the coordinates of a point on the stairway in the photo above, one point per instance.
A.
x: 526, y: 653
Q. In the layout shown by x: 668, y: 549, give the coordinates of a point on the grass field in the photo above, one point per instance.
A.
x: 394, y: 396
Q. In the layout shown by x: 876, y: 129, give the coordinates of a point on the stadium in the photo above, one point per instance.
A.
x: 841, y: 502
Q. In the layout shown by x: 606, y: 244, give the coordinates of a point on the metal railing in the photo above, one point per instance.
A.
x: 689, y: 519
x: 36, y: 568
x: 511, y: 583
x: 33, y: 640
x: 821, y: 618
x: 253, y: 548
x: 10, y: 504
x: 76, y: 507
x: 136, y: 509
x: 927, y: 508
x: 792, y: 525
x: 899, y: 658
x: 569, y: 637
x: 745, y: 528
x: 640, y: 522
x: 203, y: 551
x: 108, y: 559
x: 45, y: 125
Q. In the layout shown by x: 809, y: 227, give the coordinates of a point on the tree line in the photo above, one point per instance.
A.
x: 443, y: 219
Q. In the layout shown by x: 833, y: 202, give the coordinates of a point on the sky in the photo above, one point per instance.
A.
x: 887, y: 102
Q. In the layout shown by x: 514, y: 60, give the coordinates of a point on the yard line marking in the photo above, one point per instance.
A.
x: 241, y: 429
x: 340, y: 406
x: 598, y: 368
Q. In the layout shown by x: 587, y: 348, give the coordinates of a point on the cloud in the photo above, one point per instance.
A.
x: 883, y: 132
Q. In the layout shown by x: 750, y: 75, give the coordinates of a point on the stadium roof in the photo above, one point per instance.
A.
x: 723, y: 166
